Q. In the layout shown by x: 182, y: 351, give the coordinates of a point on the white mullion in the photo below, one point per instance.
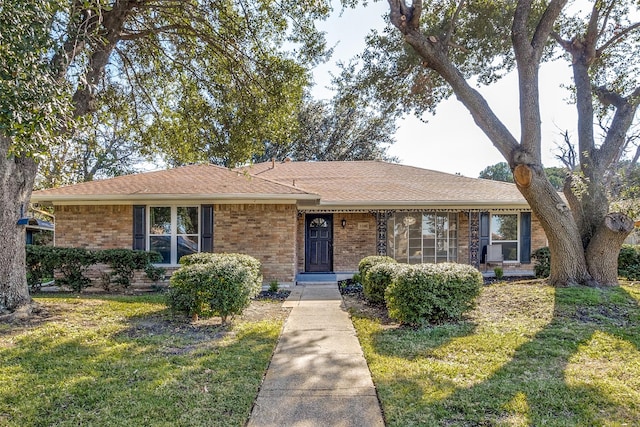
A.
x: 174, y: 235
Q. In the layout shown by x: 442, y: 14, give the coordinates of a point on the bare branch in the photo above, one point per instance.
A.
x: 567, y: 156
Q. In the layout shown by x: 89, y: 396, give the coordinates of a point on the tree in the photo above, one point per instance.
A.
x: 443, y: 47
x: 108, y: 143
x: 342, y: 129
x: 501, y: 172
x: 498, y: 172
x: 237, y: 67
x: 31, y: 108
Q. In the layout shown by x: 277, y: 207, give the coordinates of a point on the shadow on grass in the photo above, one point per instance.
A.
x: 126, y: 371
x: 579, y: 369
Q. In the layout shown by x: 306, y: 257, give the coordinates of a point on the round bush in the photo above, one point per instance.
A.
x: 432, y: 293
x: 248, y: 261
x: 367, y: 262
x: 378, y: 278
x: 221, y: 288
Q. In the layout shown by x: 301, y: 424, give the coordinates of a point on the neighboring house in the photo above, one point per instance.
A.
x: 300, y: 217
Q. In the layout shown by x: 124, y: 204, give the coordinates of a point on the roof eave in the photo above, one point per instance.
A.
x: 396, y: 204
x: 130, y: 198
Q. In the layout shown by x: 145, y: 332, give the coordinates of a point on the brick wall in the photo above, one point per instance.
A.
x: 266, y: 232
x: 464, y: 235
x: 538, y: 236
x: 94, y: 227
x: 353, y: 242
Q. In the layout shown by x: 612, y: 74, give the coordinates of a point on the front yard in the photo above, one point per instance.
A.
x: 528, y: 355
x: 126, y: 361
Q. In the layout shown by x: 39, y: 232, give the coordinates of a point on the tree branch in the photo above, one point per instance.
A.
x: 129, y: 35
x: 528, y: 55
x: 617, y: 37
x: 452, y: 25
x: 626, y: 108
x: 405, y: 17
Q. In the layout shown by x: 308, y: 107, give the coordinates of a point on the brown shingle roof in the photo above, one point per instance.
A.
x: 375, y: 182
x: 194, y: 181
x: 333, y: 184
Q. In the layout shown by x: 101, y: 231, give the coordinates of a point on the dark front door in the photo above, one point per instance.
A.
x: 319, y: 243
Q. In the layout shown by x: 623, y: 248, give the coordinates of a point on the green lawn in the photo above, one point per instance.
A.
x: 126, y: 361
x: 528, y: 355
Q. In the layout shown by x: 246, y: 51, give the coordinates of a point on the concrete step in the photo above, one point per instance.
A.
x: 316, y: 277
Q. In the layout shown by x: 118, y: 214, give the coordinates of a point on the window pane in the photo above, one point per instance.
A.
x: 423, y: 237
x: 160, y: 220
x: 187, y: 245
x: 318, y: 223
x: 161, y: 244
x: 510, y: 251
x: 504, y: 227
x: 188, y: 220
x: 401, y: 237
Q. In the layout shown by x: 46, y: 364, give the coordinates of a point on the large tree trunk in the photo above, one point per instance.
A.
x: 17, y: 175
x: 569, y: 265
x: 604, y: 248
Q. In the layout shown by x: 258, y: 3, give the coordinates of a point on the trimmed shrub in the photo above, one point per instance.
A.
x: 433, y: 293
x: 124, y: 262
x: 542, y: 264
x: 367, y: 262
x: 378, y: 278
x: 72, y: 263
x: 41, y: 262
x: 248, y: 261
x: 221, y: 288
x: 629, y: 262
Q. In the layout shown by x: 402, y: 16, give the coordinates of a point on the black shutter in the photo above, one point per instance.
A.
x: 139, y: 228
x: 484, y: 234
x: 525, y: 237
x: 206, y: 236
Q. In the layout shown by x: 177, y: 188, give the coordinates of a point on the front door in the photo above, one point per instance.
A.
x: 319, y: 243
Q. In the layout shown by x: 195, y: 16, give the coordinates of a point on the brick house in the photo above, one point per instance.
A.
x: 300, y: 218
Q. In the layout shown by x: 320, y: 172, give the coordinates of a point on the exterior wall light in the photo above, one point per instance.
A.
x: 344, y: 223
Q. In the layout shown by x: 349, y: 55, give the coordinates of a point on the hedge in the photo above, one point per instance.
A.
x: 433, y: 293
x: 72, y: 263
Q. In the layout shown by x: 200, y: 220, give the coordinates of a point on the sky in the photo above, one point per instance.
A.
x: 450, y: 141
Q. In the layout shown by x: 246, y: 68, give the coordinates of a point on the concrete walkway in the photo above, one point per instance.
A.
x: 318, y: 375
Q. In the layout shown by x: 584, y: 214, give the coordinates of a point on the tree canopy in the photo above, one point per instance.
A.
x: 344, y: 128
x: 498, y: 172
x: 186, y: 77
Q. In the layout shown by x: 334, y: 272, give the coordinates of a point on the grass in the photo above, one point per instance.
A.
x: 125, y: 361
x: 528, y: 355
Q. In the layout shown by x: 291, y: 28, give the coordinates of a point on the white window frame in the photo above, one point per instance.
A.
x: 174, y: 229
x: 446, y: 240
x: 498, y: 242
